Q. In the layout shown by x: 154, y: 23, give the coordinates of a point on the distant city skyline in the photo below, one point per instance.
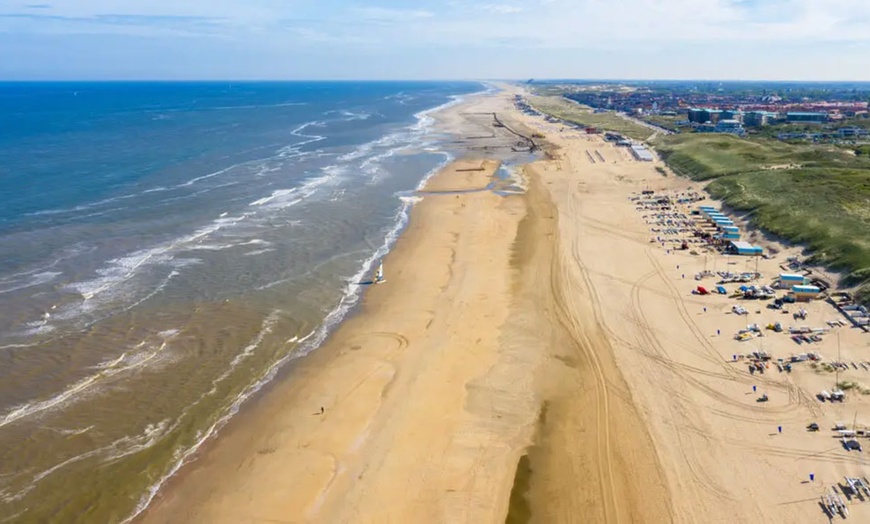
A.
x: 435, y: 39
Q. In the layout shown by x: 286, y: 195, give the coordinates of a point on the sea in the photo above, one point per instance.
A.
x: 166, y: 248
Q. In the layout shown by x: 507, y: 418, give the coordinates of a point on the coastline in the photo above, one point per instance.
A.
x: 532, y: 356
x: 471, y: 180
x: 312, y: 341
x: 466, y: 366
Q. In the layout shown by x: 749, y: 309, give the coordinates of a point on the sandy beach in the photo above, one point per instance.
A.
x: 534, y: 356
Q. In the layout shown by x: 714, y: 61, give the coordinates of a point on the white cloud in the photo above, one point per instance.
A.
x: 505, y: 9
x: 548, y: 23
x: 664, y: 32
x: 385, y: 15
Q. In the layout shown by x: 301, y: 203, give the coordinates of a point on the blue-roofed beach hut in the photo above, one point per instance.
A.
x: 745, y: 248
x: 792, y: 279
x: 805, y: 293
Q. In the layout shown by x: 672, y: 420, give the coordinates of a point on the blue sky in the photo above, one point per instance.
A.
x: 434, y: 39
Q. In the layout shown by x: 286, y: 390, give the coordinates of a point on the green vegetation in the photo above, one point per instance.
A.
x: 702, y: 156
x: 848, y: 385
x: 813, y: 195
x: 828, y: 210
x: 582, y: 115
x: 665, y: 121
x: 661, y: 171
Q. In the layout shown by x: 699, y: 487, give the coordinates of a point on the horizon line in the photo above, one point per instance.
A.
x: 346, y: 80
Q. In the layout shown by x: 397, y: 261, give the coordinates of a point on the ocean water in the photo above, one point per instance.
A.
x: 164, y: 249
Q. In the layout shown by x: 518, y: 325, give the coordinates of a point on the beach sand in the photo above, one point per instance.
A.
x: 534, y: 356
x: 427, y: 405
x: 720, y: 451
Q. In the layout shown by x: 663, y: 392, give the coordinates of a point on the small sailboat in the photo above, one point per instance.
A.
x: 379, y: 276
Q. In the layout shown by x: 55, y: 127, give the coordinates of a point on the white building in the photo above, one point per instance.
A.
x: 641, y: 153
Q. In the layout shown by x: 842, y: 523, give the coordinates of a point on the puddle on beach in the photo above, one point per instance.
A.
x: 507, y: 181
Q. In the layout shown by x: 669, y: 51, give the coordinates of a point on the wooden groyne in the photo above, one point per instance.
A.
x: 529, y: 141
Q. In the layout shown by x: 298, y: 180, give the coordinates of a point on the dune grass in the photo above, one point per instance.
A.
x: 811, y: 195
x: 582, y: 115
x: 702, y: 156
x: 828, y: 210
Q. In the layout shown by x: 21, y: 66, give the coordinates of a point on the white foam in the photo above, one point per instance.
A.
x: 37, y: 279
x: 155, y: 432
x: 139, y: 356
x: 258, y: 252
x: 265, y: 329
x: 351, y: 116
x: 37, y: 328
x: 72, y: 432
x: 256, y: 242
x: 411, y: 199
x: 275, y: 194
x: 120, y: 270
x: 120, y: 448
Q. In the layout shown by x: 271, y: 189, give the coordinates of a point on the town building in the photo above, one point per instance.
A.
x: 758, y: 118
x: 731, y: 114
x: 723, y: 126
x: 799, y: 116
x: 730, y: 126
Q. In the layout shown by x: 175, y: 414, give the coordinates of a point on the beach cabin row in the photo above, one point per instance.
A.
x: 799, y: 285
x: 744, y: 248
x: 716, y: 217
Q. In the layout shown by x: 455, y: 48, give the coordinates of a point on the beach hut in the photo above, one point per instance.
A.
x: 731, y: 229
x: 731, y: 236
x: 805, y: 293
x: 744, y: 248
x: 707, y: 208
x: 786, y: 280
